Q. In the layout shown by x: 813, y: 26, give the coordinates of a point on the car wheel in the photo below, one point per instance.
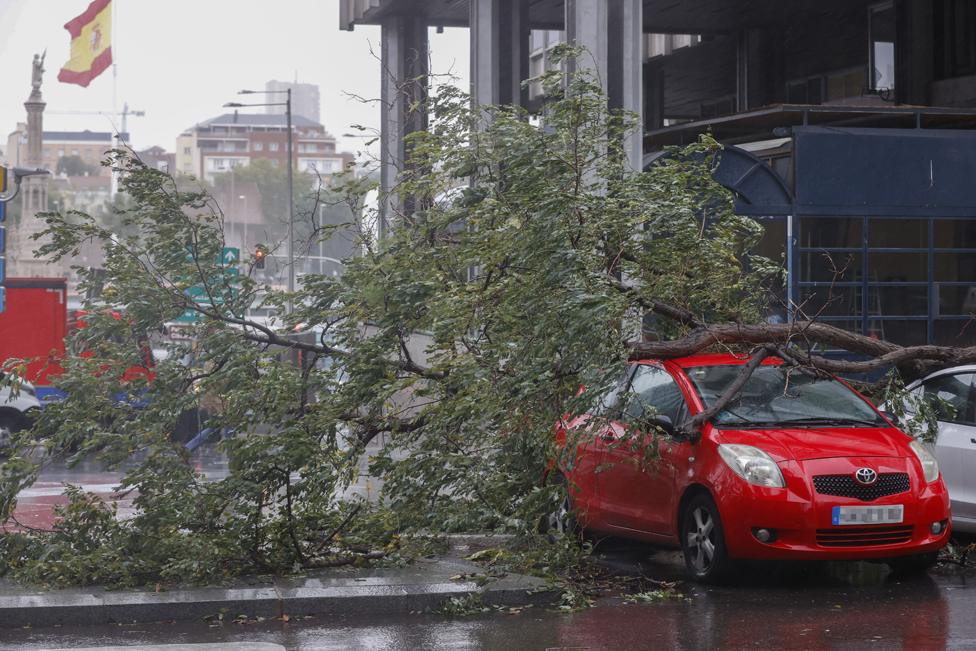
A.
x: 913, y: 564
x: 11, y: 422
x: 703, y: 541
x: 561, y: 521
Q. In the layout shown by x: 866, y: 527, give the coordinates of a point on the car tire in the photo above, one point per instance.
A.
x: 13, y: 422
x: 913, y: 564
x: 703, y: 541
x: 561, y: 521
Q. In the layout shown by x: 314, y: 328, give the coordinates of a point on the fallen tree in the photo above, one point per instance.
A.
x: 441, y: 358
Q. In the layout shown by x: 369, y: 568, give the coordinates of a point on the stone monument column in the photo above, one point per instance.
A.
x: 33, y: 190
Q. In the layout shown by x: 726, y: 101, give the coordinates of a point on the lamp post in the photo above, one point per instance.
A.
x: 244, y: 221
x: 291, y: 185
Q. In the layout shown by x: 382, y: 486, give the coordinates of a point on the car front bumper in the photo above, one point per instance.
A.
x: 801, y: 519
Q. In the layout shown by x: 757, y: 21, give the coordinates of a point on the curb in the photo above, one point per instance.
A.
x: 378, y: 592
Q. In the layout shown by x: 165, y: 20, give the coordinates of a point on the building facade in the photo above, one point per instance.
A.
x: 848, y: 127
x: 220, y: 144
x: 89, y: 146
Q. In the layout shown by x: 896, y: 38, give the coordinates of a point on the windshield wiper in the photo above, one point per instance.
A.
x: 831, y: 420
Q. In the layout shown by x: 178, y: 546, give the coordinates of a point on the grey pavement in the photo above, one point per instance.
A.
x: 425, y: 585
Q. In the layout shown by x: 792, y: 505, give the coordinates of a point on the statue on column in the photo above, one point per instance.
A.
x: 37, y: 74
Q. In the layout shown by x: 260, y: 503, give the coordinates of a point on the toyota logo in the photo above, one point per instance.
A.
x: 865, y: 476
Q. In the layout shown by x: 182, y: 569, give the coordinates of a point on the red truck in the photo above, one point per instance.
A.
x: 33, y: 326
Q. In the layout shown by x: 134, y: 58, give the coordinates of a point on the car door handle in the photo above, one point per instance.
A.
x: 973, y: 441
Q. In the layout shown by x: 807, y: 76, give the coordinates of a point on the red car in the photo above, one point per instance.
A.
x: 796, y: 467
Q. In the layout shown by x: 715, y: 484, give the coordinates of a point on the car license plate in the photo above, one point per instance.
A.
x: 887, y: 514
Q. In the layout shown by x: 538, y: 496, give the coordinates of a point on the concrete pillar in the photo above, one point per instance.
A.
x: 499, y: 51
x: 404, y: 56
x: 611, y: 31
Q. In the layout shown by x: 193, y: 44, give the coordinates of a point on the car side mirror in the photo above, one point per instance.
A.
x: 662, y: 423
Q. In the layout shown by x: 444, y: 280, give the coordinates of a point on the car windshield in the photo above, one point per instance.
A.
x: 777, y: 396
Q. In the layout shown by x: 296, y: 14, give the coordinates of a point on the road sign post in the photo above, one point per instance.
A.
x: 221, y: 290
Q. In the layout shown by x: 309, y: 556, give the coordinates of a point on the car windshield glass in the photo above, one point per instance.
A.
x: 777, y: 396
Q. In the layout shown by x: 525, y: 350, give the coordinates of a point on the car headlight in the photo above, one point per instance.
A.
x: 930, y: 467
x: 752, y: 464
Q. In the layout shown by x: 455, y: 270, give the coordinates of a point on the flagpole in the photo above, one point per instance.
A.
x: 114, y: 187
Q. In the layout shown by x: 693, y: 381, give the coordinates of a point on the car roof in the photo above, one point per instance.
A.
x: 714, y: 359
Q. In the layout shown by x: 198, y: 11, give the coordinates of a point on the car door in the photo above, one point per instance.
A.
x: 583, y: 440
x: 637, y: 478
x: 953, y: 397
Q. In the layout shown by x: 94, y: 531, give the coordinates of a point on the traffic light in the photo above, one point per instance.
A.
x: 260, y: 255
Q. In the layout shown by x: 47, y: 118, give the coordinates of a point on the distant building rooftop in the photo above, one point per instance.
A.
x: 83, y: 136
x: 258, y: 120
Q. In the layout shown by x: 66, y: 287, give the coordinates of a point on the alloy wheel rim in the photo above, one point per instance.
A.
x: 559, y: 519
x: 700, y: 538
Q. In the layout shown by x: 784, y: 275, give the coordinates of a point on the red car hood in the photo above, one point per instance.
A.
x: 822, y: 442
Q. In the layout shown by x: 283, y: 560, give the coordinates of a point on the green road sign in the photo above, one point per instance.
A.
x: 230, y: 255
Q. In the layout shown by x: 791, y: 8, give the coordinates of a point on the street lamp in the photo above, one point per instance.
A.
x: 20, y: 173
x: 291, y: 185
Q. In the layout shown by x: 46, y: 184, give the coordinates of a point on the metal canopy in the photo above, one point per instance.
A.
x: 758, y: 190
x: 775, y: 121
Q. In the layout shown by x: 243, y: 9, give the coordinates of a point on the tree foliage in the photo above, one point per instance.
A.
x: 442, y: 357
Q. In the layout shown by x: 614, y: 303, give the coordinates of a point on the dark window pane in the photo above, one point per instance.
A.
x: 912, y: 300
x: 898, y: 233
x: 820, y: 232
x: 904, y: 333
x: 898, y: 267
x: 957, y: 332
x: 773, y: 242
x: 956, y: 300
x: 951, y: 267
x: 952, y: 397
x: 955, y: 233
x: 830, y: 301
x: 830, y: 266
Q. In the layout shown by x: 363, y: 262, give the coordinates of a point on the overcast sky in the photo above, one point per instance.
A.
x: 181, y: 60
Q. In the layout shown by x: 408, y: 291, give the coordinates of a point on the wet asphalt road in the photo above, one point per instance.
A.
x: 820, y: 606
x: 810, y: 606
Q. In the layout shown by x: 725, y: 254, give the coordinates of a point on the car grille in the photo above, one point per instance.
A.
x: 863, y: 536
x: 888, y: 483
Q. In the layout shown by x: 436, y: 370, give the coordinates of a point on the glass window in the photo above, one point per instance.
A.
x: 955, y: 398
x: 258, y: 146
x: 899, y: 331
x: 882, y: 29
x: 898, y: 267
x: 830, y: 301
x: 776, y: 396
x: 898, y: 233
x: 653, y: 391
x: 950, y: 267
x: 824, y: 233
x: 272, y: 146
x: 956, y: 300
x: 955, y: 233
x: 911, y: 300
x: 826, y: 266
x: 955, y: 332
x: 773, y: 242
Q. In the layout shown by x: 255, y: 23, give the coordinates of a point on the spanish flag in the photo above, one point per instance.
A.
x: 91, y: 44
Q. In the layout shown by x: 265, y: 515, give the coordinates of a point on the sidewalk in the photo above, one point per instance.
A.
x: 425, y: 585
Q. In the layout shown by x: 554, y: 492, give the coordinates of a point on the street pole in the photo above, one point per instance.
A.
x: 291, y: 208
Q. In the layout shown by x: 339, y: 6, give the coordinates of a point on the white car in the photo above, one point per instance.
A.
x: 955, y: 447
x: 17, y: 411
